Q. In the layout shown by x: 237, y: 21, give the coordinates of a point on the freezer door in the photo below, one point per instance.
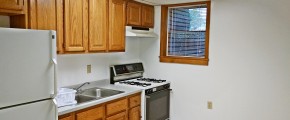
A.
x: 44, y: 110
x: 26, y: 66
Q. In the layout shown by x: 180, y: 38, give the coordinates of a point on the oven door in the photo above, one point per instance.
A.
x: 157, y: 105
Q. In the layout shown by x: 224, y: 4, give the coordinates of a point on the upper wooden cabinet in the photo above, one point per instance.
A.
x: 117, y: 20
x: 98, y: 25
x: 140, y: 15
x: 148, y: 16
x: 134, y: 14
x: 75, y: 25
x: 94, y: 25
x: 46, y: 15
x: 12, y: 6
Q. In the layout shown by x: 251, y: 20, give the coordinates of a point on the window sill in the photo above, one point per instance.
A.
x: 184, y: 60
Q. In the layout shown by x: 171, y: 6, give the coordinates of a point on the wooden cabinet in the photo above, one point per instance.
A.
x: 134, y: 14
x: 117, y: 20
x: 98, y: 25
x: 140, y: 15
x: 66, y: 117
x: 127, y: 108
x: 96, y: 113
x: 134, y: 107
x: 147, y: 16
x: 115, y: 107
x: 12, y: 6
x: 46, y: 15
x: 94, y: 25
x: 120, y: 116
x: 75, y: 25
x: 135, y: 113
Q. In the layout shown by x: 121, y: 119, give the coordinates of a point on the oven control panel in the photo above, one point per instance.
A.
x: 156, y: 89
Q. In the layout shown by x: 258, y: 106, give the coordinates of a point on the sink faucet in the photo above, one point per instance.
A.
x: 78, y: 89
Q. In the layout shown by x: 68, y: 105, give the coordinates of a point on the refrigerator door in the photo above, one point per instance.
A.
x: 44, y: 110
x: 27, y: 70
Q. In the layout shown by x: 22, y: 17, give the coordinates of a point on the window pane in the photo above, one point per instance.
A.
x: 187, y: 31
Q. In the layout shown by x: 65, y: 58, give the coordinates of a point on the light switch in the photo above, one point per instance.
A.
x: 209, y: 104
x: 89, y: 69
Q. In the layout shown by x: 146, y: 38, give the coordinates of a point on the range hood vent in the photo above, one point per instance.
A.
x: 140, y: 32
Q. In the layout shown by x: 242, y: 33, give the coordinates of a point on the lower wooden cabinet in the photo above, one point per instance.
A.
x: 97, y: 113
x: 120, y: 116
x: 135, y: 113
x: 66, y: 117
x: 127, y: 108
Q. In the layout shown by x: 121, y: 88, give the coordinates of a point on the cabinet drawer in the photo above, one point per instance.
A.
x: 134, y: 101
x: 91, y: 114
x: 116, y: 107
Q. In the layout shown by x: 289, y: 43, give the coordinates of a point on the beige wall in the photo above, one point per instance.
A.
x: 248, y: 77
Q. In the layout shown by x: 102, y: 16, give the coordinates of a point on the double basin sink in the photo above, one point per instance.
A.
x: 92, y: 94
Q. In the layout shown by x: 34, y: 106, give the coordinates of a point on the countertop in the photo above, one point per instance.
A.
x: 101, y: 84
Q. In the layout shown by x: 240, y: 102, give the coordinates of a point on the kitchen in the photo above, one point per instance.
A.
x: 248, y: 72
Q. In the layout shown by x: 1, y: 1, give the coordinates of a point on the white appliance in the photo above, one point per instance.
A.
x: 27, y: 74
x: 155, y: 97
x: 140, y: 32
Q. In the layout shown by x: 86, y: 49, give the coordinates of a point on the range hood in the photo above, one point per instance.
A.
x: 140, y: 32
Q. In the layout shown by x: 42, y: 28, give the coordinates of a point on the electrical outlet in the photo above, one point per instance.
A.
x: 89, y: 69
x: 209, y: 104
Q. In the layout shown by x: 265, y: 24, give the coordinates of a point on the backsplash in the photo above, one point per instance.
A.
x: 72, y: 68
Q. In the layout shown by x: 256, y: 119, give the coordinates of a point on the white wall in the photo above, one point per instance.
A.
x: 248, y: 77
x: 72, y: 68
x: 4, y: 21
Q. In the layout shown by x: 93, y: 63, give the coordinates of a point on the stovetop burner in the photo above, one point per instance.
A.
x: 135, y: 83
x: 151, y: 80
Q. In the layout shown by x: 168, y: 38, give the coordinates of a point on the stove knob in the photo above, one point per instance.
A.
x: 149, y: 91
x: 166, y: 86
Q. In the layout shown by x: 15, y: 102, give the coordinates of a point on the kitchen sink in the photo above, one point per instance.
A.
x: 91, y: 94
x: 103, y: 92
x: 82, y: 98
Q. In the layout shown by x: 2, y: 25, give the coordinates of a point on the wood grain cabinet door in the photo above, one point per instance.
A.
x: 75, y: 25
x: 148, y: 16
x: 98, y: 25
x: 135, y: 113
x: 12, y: 4
x: 134, y: 14
x: 117, y: 20
x: 97, y: 113
x: 120, y: 116
x: 66, y: 117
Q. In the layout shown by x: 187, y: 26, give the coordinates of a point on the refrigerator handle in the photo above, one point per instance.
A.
x: 54, y: 61
x: 56, y: 111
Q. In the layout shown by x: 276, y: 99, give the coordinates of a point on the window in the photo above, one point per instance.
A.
x: 185, y: 33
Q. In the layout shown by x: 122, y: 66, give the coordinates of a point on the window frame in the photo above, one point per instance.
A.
x: 164, y: 37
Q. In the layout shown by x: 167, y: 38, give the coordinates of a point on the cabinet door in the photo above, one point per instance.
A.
x: 75, y: 25
x: 66, y: 117
x: 117, y: 19
x: 135, y: 113
x: 134, y: 14
x: 98, y: 25
x: 11, y: 4
x: 120, y: 116
x: 92, y: 114
x: 148, y: 16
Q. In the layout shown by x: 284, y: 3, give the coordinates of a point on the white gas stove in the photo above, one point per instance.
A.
x: 155, y: 97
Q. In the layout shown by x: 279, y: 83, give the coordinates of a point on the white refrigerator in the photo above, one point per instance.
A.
x: 27, y: 74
